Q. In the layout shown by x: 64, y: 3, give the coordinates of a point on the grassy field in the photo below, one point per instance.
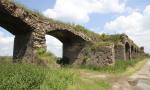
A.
x: 32, y: 77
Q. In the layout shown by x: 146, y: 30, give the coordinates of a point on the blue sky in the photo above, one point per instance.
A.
x: 101, y: 16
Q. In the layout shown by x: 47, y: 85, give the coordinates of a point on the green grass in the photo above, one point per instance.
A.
x: 58, y: 79
x: 32, y: 77
x: 20, y: 77
x: 91, y: 84
x: 119, y: 67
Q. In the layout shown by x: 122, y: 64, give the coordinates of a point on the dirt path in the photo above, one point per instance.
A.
x: 138, y: 81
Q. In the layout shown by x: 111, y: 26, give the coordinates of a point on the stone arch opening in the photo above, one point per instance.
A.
x: 127, y: 51
x: 135, y: 50
x: 72, y: 44
x: 132, y: 49
x: 54, y: 46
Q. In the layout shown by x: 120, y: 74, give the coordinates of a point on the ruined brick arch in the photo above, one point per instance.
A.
x: 132, y: 49
x: 12, y: 24
x: 135, y: 50
x: 29, y: 29
x: 22, y: 33
x: 72, y: 44
x: 132, y: 52
x: 127, y: 51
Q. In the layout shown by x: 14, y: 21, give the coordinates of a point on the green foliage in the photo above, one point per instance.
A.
x: 115, y: 38
x: 46, y: 58
x: 41, y: 51
x: 105, y: 37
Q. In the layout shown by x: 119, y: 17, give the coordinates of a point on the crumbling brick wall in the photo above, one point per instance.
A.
x: 98, y: 56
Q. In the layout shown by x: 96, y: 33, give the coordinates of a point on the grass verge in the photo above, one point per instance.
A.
x: 120, y: 67
x: 32, y: 77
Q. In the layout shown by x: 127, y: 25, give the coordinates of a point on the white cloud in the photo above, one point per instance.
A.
x: 136, y: 25
x: 54, y: 46
x: 6, y: 44
x: 78, y: 11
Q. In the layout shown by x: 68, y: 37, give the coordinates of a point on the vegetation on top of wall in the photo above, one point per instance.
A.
x: 111, y: 38
x: 94, y: 36
x: 94, y: 46
x: 115, y: 38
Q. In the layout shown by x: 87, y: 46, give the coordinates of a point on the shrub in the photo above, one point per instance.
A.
x: 45, y: 58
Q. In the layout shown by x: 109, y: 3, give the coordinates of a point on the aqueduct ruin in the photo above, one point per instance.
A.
x: 30, y: 28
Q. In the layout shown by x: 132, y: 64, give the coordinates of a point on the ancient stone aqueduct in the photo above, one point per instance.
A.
x: 30, y: 29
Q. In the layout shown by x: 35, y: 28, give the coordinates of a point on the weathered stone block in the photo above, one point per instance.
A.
x: 98, y: 56
x: 23, y: 48
x: 120, y: 52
